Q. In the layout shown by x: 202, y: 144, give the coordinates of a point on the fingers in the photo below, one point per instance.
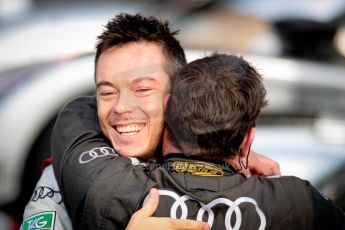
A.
x: 276, y: 168
x: 150, y: 207
x: 268, y: 167
x: 188, y: 225
x: 142, y: 219
x: 262, y: 165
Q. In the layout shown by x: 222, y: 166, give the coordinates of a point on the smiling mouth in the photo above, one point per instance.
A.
x: 129, y: 130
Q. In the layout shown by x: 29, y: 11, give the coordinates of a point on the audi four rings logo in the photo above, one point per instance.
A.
x: 233, y: 208
x: 95, y: 153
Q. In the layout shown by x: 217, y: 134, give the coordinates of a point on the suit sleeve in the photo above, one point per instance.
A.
x: 115, y: 195
x: 80, y: 153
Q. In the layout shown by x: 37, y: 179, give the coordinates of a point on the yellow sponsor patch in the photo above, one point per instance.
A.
x: 196, y: 168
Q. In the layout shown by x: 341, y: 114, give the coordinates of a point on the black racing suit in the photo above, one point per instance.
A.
x: 101, y: 190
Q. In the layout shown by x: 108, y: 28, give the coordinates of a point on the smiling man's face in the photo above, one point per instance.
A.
x: 131, y: 87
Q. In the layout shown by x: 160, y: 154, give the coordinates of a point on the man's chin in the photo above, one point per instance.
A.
x: 135, y: 153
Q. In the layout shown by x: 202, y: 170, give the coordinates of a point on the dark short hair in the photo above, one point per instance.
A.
x: 125, y: 28
x: 215, y: 101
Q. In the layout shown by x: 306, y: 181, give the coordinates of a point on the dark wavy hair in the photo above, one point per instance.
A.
x: 125, y: 28
x: 215, y: 101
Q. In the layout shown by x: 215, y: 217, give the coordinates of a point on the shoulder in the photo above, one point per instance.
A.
x: 294, y: 189
x: 48, y: 178
x: 284, y: 180
x: 82, y: 100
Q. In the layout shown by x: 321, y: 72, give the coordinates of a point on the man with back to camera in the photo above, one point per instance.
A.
x: 211, y: 118
x: 144, y: 49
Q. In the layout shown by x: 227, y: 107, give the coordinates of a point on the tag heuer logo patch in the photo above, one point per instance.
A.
x: 40, y: 221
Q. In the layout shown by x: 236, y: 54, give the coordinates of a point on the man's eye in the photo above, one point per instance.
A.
x: 142, y: 90
x: 107, y: 94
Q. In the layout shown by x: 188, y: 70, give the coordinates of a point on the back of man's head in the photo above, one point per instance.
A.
x: 214, y: 102
x: 125, y: 28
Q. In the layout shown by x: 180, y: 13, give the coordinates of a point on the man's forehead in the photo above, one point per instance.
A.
x: 152, y: 71
x: 142, y: 71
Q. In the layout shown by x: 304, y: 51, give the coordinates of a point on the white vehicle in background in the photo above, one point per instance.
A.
x: 48, y: 60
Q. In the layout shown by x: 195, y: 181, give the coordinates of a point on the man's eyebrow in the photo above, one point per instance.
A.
x: 104, y: 83
x: 139, y: 79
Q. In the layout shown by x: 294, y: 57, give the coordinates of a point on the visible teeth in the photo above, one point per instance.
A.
x: 129, y: 134
x: 130, y: 129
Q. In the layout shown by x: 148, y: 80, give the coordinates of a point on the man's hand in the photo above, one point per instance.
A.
x: 142, y: 219
x: 260, y: 165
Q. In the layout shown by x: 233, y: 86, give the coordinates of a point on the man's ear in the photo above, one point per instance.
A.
x: 166, y: 101
x: 247, y: 142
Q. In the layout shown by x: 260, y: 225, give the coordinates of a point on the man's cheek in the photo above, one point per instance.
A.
x: 103, y: 128
x: 103, y: 110
x: 156, y: 113
x: 102, y: 119
x: 153, y: 105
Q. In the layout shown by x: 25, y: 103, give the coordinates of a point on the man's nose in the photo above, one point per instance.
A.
x: 125, y: 103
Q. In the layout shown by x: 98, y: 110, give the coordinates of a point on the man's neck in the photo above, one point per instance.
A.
x: 168, y: 148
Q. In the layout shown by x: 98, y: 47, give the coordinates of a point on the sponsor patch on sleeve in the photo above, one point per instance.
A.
x: 39, y: 221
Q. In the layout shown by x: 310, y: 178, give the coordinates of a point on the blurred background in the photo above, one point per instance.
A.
x: 46, y: 58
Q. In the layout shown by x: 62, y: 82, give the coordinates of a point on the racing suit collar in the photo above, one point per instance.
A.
x: 184, y: 163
